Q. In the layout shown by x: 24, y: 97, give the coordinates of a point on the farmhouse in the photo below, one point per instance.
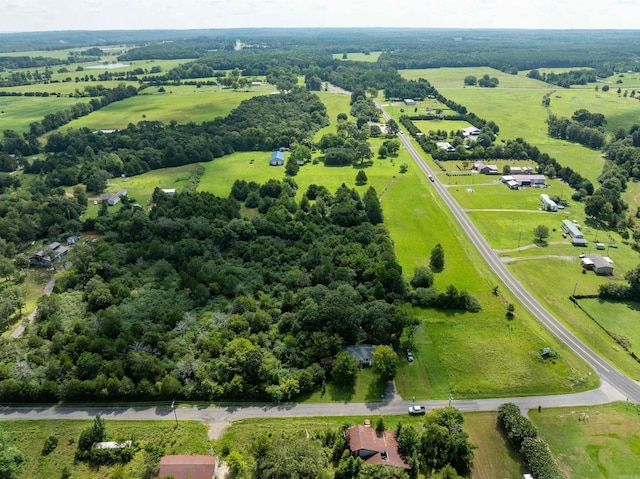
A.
x: 46, y: 257
x: 600, y: 265
x: 480, y: 167
x: 277, y: 158
x: 446, y: 146
x: 113, y: 199
x: 362, y: 353
x: 577, y: 238
x: 409, y: 102
x: 193, y: 467
x: 374, y: 447
x: 547, y: 203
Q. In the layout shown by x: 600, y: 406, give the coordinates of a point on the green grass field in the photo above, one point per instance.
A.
x: 516, y: 108
x: 181, y: 107
x: 620, y: 318
x: 606, y: 446
x: 492, y: 459
x: 29, y: 437
x: 372, y: 57
x: 18, y: 112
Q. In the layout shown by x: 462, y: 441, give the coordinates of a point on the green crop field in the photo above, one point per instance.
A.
x: 181, y: 107
x: 29, y: 437
x: 606, y: 445
x: 619, y: 318
x: 17, y: 112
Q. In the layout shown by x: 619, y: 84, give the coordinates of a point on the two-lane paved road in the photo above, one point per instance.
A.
x: 627, y: 387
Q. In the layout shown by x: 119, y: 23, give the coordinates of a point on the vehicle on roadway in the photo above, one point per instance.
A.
x: 417, y: 410
x: 431, y: 177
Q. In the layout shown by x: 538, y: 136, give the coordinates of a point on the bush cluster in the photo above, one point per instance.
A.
x: 523, y: 435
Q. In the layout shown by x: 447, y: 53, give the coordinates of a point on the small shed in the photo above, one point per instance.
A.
x: 409, y: 102
x: 277, y: 158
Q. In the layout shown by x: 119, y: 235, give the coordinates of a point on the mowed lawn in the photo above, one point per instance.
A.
x: 606, y: 445
x: 620, y: 318
x: 189, y: 437
x: 183, y: 107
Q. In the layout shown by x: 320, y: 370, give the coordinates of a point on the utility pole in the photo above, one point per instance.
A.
x: 574, y: 290
x: 450, y: 399
x: 173, y: 406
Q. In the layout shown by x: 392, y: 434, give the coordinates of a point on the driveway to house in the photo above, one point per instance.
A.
x: 16, y: 333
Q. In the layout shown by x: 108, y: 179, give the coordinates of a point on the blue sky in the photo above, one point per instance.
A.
x: 40, y: 15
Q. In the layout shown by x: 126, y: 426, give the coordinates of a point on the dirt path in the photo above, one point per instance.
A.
x: 22, y: 326
x: 510, y: 259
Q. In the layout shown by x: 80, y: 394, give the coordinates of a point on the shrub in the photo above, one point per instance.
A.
x: 49, y: 445
x: 517, y: 427
x: 539, y: 459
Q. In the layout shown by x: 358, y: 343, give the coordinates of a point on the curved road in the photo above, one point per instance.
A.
x: 627, y: 387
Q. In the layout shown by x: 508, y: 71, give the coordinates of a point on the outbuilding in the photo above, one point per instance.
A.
x: 277, y: 158
x: 598, y: 264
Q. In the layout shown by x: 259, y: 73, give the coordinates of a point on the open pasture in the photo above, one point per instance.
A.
x: 18, y: 112
x: 606, y: 445
x: 426, y: 126
x: 164, y: 107
x: 372, y: 57
x: 453, y: 78
x: 618, y: 317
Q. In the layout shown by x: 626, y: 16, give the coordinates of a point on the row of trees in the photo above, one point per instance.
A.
x: 576, y: 132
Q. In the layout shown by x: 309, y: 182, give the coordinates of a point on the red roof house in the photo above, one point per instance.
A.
x: 188, y: 467
x: 374, y: 447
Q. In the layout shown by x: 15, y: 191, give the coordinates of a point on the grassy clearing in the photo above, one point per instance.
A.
x: 493, y: 458
x: 372, y: 57
x: 620, y: 318
x: 29, y: 437
x: 164, y: 107
x: 607, y: 445
x: 426, y: 126
x: 17, y: 113
x: 453, y: 78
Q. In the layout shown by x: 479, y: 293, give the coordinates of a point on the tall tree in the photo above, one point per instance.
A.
x: 372, y: 206
x: 10, y: 459
x: 437, y: 258
x: 344, y: 369
x: 385, y: 362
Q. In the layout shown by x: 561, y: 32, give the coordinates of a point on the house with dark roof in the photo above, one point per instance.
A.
x: 49, y: 255
x: 188, y: 467
x: 113, y: 199
x: 375, y: 447
x: 277, y: 158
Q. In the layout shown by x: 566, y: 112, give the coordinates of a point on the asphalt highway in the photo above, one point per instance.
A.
x: 629, y: 388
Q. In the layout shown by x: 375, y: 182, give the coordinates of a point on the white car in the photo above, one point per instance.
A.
x: 417, y: 410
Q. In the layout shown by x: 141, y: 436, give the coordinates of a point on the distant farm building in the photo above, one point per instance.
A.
x: 113, y: 199
x: 600, y: 265
x: 446, y: 146
x: 470, y: 131
x: 524, y: 181
x: 374, y: 447
x: 46, y: 257
x: 256, y: 83
x: 480, y: 167
x: 409, y: 102
x: 547, y: 203
x: 277, y: 158
x: 169, y: 191
x: 577, y: 238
